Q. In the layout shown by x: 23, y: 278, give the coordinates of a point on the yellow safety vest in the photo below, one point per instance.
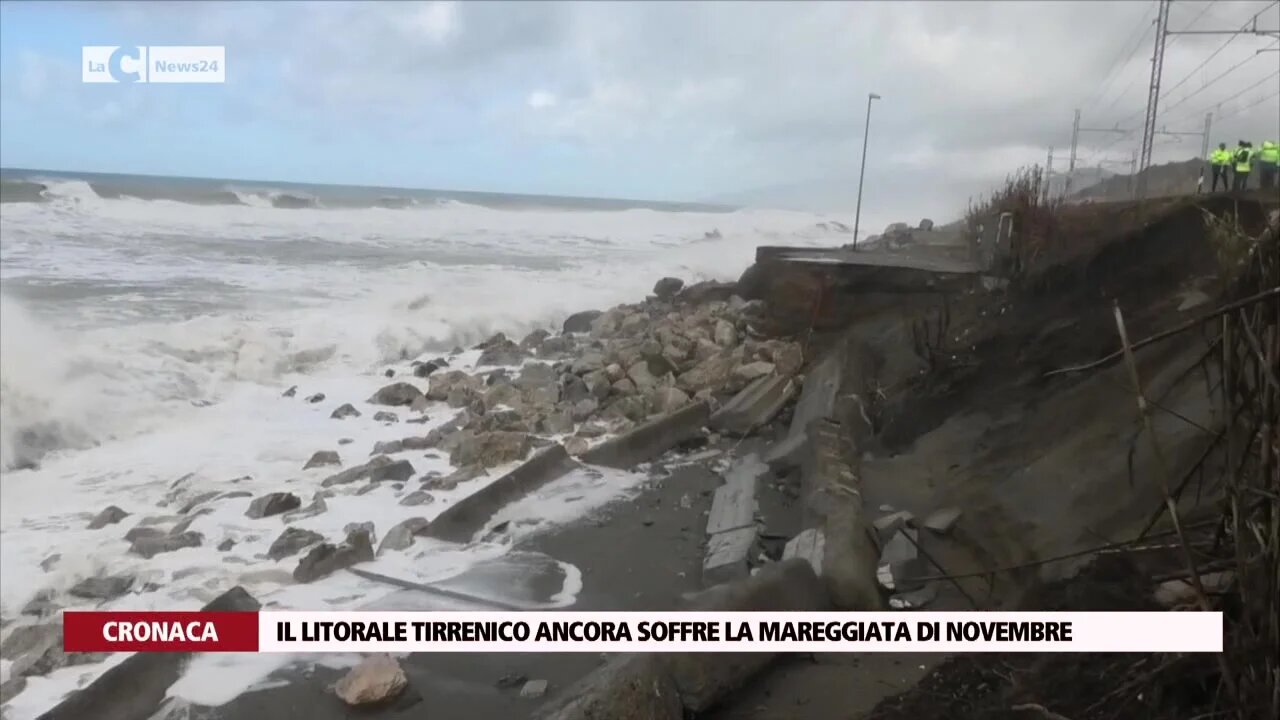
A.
x: 1220, y: 157
x: 1270, y: 153
x: 1243, y: 155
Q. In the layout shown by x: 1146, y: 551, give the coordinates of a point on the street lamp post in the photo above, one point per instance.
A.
x: 857, y: 218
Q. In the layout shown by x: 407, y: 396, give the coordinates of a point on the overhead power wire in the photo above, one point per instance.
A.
x: 1145, y: 25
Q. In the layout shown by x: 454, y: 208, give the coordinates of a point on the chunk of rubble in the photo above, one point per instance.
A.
x: 754, y: 406
x: 397, y: 471
x: 535, y: 689
x: 291, y: 542
x: 345, y: 411
x: 149, y: 547
x: 377, y: 679
x: 108, y: 587
x: 272, y: 504
x: 400, y: 537
x: 326, y: 558
x: 943, y: 520
x: 322, y: 458
x: 401, y: 393
x: 110, y: 515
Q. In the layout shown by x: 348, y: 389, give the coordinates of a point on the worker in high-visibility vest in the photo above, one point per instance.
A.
x: 1220, y: 163
x: 1243, y: 160
x: 1268, y: 160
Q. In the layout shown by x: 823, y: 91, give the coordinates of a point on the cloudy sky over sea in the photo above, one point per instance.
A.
x: 680, y: 101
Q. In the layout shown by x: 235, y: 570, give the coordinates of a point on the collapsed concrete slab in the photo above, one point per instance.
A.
x: 832, y: 498
x: 669, y: 686
x: 628, y: 687
x: 136, y: 688
x: 703, y: 679
x: 731, y: 523
x: 465, y: 518
x: 649, y: 440
x: 808, y: 546
x: 754, y: 406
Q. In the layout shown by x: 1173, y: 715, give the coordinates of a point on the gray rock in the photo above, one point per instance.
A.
x: 534, y: 339
x: 326, y: 558
x: 576, y: 445
x: 395, y: 394
x: 417, y: 497
x: 359, y: 472
x: 42, y: 605
x: 199, y: 499
x: 625, y: 387
x: 316, y: 507
x: 140, y: 532
x: 186, y: 522
x: 557, y: 423
x: 942, y: 520
x: 322, y: 458
x: 581, y: 322
x: 584, y: 409
x: 290, y: 392
x: 490, y: 449
x: 926, y: 224
x: 424, y: 369
x: 387, y: 447
x: 108, y: 587
x: 504, y: 352
x: 725, y: 335
x: 110, y: 515
x: 397, y: 471
x: 149, y: 547
x: 37, y: 650
x: 272, y: 504
x: 50, y: 562
x: 345, y: 441
x: 587, y: 362
x: 317, y: 398
x: 226, y: 545
x: 752, y: 371
x: 377, y: 679
x: 667, y: 287
x: 667, y: 399
x: 641, y: 376
x: 383, y: 416
x: 344, y: 411
x: 574, y: 390
x: 535, y: 689
x: 291, y: 542
x: 361, y: 527
x: 401, y: 536
x: 556, y: 347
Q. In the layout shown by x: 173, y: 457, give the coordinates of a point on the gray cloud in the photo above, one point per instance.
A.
x: 741, y: 95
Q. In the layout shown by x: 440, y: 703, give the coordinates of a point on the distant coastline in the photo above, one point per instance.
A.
x: 34, y: 185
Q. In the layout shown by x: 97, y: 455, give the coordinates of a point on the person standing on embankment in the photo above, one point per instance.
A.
x: 1220, y: 163
x: 1244, y: 163
x: 1268, y: 160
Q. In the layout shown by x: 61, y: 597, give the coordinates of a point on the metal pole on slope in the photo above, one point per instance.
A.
x: 1153, y: 96
x: 862, y: 172
x: 1071, y: 164
x: 1204, y: 149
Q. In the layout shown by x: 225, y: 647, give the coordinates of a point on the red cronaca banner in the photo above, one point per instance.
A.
x: 160, y: 631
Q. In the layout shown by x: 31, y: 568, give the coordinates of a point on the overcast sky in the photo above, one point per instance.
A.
x: 683, y: 101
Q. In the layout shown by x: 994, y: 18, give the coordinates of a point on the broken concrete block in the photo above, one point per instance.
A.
x: 376, y: 679
x: 754, y: 407
x: 808, y: 545
x: 734, y: 504
x: 727, y: 555
x: 943, y: 520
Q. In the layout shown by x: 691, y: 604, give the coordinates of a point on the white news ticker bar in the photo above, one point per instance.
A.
x: 1090, y: 631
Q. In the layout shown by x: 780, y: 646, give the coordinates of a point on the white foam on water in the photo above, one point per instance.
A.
x: 143, y: 342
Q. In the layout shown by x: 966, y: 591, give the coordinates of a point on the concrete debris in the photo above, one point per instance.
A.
x: 376, y: 679
x: 754, y: 407
x: 809, y: 546
x: 943, y: 520
x: 534, y: 689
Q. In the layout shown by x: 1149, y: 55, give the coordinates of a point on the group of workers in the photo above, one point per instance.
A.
x: 1240, y: 161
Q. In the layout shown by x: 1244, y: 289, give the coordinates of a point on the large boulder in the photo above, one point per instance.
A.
x: 580, y: 322
x: 291, y: 542
x: 705, y: 292
x: 322, y: 458
x: 489, y: 449
x: 713, y: 374
x: 149, y: 547
x: 667, y: 287
x: 110, y: 515
x: 501, y: 351
x: 401, y: 535
x: 401, y: 393
x: 442, y: 384
x: 107, y: 587
x: 377, y: 679
x: 273, y: 504
x: 326, y: 558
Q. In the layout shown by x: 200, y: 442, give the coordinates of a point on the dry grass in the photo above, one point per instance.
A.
x: 1035, y: 223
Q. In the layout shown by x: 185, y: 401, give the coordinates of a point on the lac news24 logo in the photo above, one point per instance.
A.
x: 153, y: 64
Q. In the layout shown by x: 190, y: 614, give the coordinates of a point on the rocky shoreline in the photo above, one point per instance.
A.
x: 482, y: 411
